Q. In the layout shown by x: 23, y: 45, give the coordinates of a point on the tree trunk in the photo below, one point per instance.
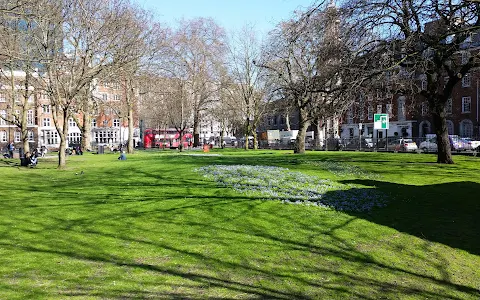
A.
x: 86, y: 132
x: 318, y: 130
x: 62, y: 158
x: 196, y: 130
x: 130, y: 129
x: 247, y: 132
x: 302, y: 132
x: 444, y: 154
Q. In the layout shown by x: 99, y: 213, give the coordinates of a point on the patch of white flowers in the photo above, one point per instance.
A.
x: 276, y: 183
x: 343, y: 169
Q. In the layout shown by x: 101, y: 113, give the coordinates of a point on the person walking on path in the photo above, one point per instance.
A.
x: 11, y: 148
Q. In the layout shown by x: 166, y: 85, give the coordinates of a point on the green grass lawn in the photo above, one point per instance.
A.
x: 153, y: 227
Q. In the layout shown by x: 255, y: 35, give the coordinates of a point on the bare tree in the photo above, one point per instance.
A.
x: 79, y: 41
x: 425, y: 38
x: 198, y: 48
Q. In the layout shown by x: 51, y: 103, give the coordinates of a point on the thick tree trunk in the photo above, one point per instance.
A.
x: 86, y: 132
x: 302, y: 132
x: 318, y: 130
x: 247, y: 132
x: 62, y: 157
x: 444, y: 154
x: 196, y: 130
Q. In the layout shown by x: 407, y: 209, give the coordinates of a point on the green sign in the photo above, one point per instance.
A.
x: 380, y: 121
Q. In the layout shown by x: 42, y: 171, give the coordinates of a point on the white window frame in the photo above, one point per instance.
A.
x: 72, y: 123
x: 17, y: 136
x: 465, y: 57
x: 370, y: 112
x: 466, y: 80
x: 116, y: 122
x: 3, y: 136
x: 379, y: 108
x: 449, y: 106
x: 389, y: 109
x: 466, y: 105
x: 46, y: 108
x: 46, y: 122
x: 104, y: 97
x: 31, y: 136
x: 3, y: 113
x: 94, y: 123
x: 3, y: 98
x: 30, y: 117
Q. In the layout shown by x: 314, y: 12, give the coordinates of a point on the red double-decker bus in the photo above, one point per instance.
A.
x: 166, y: 138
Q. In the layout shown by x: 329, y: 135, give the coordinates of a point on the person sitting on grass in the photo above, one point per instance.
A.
x: 122, y: 156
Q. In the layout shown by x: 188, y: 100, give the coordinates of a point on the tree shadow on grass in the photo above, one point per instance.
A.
x: 447, y: 213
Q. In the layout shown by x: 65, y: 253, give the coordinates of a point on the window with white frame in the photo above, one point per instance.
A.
x: 116, y: 97
x: 46, y: 108
x: 17, y: 135
x: 466, y: 104
x: 94, y: 122
x: 424, y: 108
x: 389, y: 109
x: 450, y: 127
x: 16, y: 116
x: 3, y: 136
x: 466, y: 80
x: 51, y: 136
x: 116, y: 123
x: 350, y: 116
x: 46, y: 122
x: 401, y: 109
x: 31, y: 136
x: 466, y: 128
x: 105, y: 97
x: 424, y: 84
x: 370, y: 112
x: 31, y: 99
x: 465, y: 57
x: 17, y: 98
x: 448, y: 106
x: 72, y: 123
x: 2, y: 97
x: 30, y: 119
x: 379, y: 108
x: 74, y: 138
x: 3, y: 116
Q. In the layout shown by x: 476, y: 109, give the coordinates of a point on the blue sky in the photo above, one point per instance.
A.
x: 230, y: 14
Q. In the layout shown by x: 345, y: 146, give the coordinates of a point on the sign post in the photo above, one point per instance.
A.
x: 360, y: 125
x: 380, y: 121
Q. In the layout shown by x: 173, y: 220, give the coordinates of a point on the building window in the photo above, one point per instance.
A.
x: 389, y: 108
x: 30, y: 120
x: 3, y: 117
x: 31, y: 136
x: 466, y: 128
x: 71, y: 123
x: 16, y: 116
x: 424, y: 84
x: 116, y: 123
x: 46, y: 122
x: 30, y: 99
x: 3, y: 136
x: 448, y: 106
x: 94, y: 122
x: 46, y: 109
x: 379, y: 108
x: 450, y: 127
x: 350, y: 116
x: 17, y: 136
x: 466, y: 80
x: 424, y: 108
x: 2, y: 97
x: 105, y: 97
x: 116, y: 97
x: 465, y: 57
x: 466, y: 104
x: 74, y: 138
x: 51, y: 137
x: 370, y: 112
x: 401, y: 109
x: 445, y: 80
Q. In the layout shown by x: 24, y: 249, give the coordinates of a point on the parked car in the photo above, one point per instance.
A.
x: 430, y: 144
x: 470, y: 144
x: 354, y: 144
x: 402, y: 145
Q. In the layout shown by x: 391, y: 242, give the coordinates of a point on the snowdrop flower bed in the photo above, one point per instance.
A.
x: 276, y: 183
x: 343, y: 169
